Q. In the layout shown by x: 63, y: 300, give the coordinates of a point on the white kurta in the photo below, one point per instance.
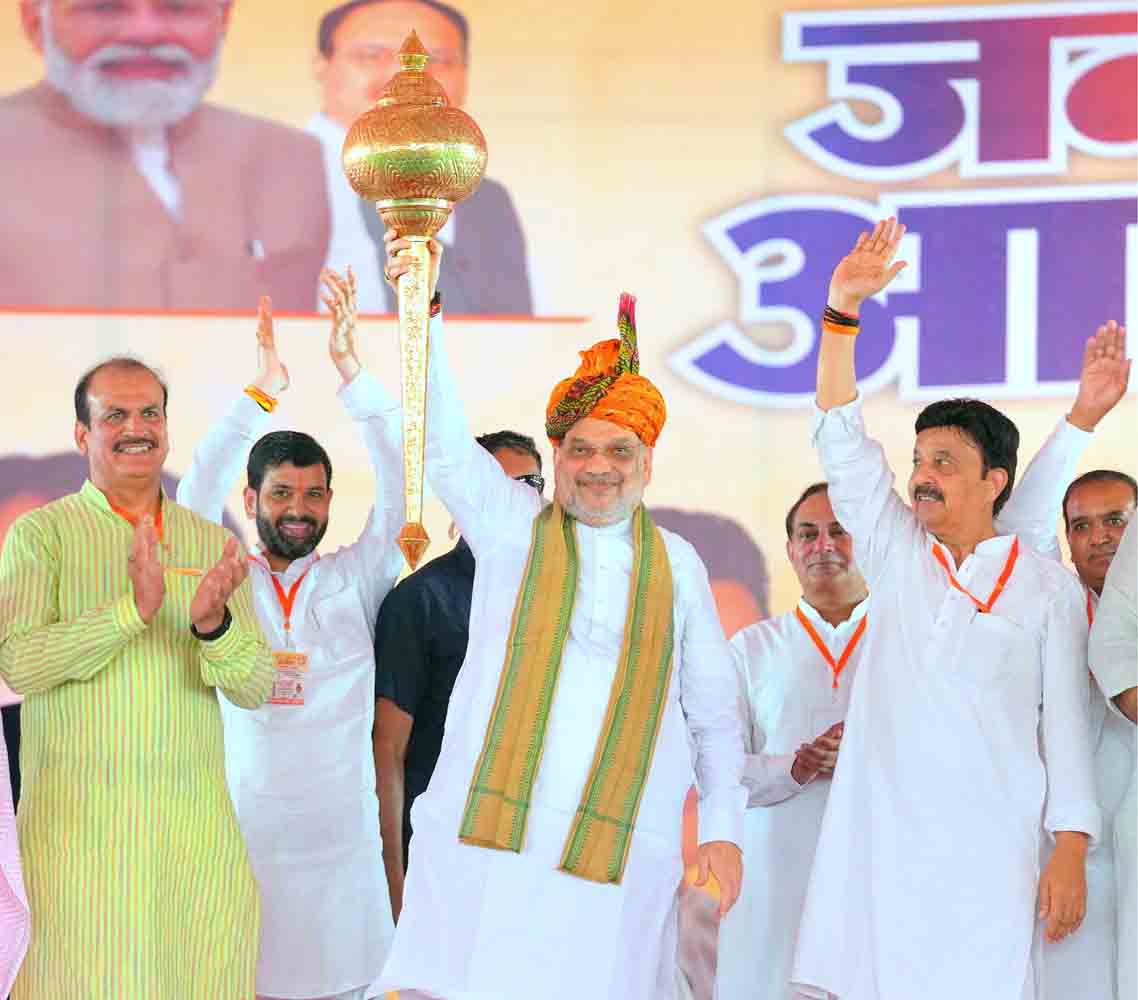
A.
x: 790, y: 700
x: 1083, y: 964
x: 1114, y: 661
x: 480, y: 924
x: 925, y: 877
x: 302, y: 777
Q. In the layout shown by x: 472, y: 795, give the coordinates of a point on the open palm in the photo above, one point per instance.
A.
x: 1105, y: 374
x: 272, y: 375
x: 868, y: 267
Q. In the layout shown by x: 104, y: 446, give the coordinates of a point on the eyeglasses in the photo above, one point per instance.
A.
x: 534, y: 479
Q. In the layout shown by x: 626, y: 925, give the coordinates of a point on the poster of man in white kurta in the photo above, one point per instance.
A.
x: 547, y: 848
x: 970, y: 729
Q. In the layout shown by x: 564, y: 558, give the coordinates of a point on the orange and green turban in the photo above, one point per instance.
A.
x: 608, y: 386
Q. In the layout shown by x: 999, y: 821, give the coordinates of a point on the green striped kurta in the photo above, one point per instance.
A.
x: 136, y: 872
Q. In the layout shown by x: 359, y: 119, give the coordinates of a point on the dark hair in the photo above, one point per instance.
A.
x: 1098, y: 476
x: 336, y: 16
x: 279, y: 447
x: 807, y: 493
x: 993, y: 433
x: 123, y: 362
x: 522, y: 443
x: 728, y: 552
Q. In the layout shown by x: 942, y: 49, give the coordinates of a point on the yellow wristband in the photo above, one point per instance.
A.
x: 261, y: 398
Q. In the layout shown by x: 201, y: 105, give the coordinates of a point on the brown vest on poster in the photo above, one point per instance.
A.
x: 81, y: 228
x: 484, y: 272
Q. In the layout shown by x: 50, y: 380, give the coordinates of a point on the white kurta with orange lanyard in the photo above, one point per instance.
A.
x: 966, y: 737
x: 300, y: 768
x: 1083, y: 964
x: 795, y: 672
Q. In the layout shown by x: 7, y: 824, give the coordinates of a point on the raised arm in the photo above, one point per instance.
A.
x: 484, y: 502
x: 1035, y: 506
x: 220, y: 458
x: 38, y: 651
x: 861, y: 482
x: 374, y: 558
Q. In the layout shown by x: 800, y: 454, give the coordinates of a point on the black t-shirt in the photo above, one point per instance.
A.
x: 420, y: 643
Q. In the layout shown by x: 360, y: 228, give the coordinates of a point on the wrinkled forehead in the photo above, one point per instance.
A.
x: 1100, y: 498
x: 124, y: 388
x: 815, y: 509
x: 598, y: 433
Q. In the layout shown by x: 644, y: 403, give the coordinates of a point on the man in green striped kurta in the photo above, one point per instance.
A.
x: 120, y: 613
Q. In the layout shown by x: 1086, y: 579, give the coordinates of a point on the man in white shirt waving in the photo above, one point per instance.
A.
x: 971, y: 724
x: 300, y: 768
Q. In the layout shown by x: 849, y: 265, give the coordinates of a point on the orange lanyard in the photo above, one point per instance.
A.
x: 840, y: 665
x: 287, y: 600
x: 1090, y: 609
x: 1002, y: 582
x: 133, y: 521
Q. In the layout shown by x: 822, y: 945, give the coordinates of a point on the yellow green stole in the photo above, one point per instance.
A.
x: 497, y: 805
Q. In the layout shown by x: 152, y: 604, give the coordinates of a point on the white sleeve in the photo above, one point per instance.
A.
x: 1072, y: 803
x: 860, y: 486
x: 484, y: 502
x: 375, y: 560
x: 1114, y: 635
x: 220, y: 459
x: 709, y: 698
x: 766, y: 776
x: 1035, y: 506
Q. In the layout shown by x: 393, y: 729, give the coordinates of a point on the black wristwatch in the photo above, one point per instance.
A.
x: 217, y: 633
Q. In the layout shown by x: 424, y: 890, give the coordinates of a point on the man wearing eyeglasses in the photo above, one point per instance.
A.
x: 420, y: 643
x: 357, y: 44
x: 141, y: 196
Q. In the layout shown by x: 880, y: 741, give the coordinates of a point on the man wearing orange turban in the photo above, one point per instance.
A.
x: 547, y: 849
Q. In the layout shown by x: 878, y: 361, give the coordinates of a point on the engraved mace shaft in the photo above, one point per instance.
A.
x: 415, y: 156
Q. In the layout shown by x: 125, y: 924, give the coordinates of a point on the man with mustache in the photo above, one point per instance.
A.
x: 357, y: 44
x: 1095, y: 509
x: 130, y: 192
x: 300, y: 768
x: 548, y: 844
x: 122, y: 614
x: 796, y: 672
x: 971, y: 725
x: 1114, y: 661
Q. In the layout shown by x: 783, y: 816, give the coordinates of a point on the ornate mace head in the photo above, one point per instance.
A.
x: 413, y: 154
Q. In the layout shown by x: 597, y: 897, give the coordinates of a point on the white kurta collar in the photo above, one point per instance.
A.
x: 295, y: 568
x: 820, y: 623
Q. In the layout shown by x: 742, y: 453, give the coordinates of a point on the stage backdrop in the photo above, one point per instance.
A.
x: 717, y: 167
x: 715, y: 162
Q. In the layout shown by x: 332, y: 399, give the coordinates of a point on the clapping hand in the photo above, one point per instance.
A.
x: 207, y: 610
x: 146, y: 573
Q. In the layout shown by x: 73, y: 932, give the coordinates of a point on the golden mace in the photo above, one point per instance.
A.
x: 416, y: 157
